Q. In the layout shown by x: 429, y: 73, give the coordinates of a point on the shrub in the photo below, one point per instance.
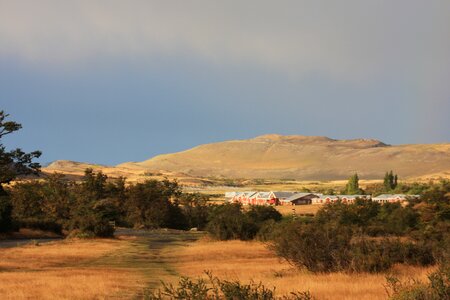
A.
x: 41, y: 224
x: 195, y: 209
x: 91, y: 225
x: 93, y: 217
x: 318, y: 248
x: 437, y: 288
x: 6, y: 223
x: 370, y: 256
x: 268, y: 231
x: 228, y: 222
x: 329, y: 248
x: 149, y: 204
x: 259, y: 214
x: 215, y: 288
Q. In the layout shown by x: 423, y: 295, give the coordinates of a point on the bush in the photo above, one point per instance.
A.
x: 195, y: 209
x: 268, y: 231
x: 45, y: 225
x: 91, y: 225
x: 318, y: 248
x: 6, y: 223
x: 377, y: 256
x: 215, y: 288
x: 437, y: 288
x: 329, y: 248
x: 227, y: 222
x: 370, y: 256
x: 149, y: 204
x: 259, y: 214
x: 93, y: 218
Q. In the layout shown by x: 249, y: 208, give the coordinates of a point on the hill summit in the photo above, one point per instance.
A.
x: 303, y: 158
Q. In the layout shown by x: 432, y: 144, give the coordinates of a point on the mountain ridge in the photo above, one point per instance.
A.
x: 275, y: 156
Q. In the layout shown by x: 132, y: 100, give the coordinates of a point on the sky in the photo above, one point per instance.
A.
x: 116, y: 81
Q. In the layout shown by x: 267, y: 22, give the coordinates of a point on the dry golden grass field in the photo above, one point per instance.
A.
x: 253, y: 261
x: 122, y: 268
x: 298, y: 209
x: 65, y: 270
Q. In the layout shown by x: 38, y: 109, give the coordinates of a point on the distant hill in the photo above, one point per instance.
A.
x: 297, y: 157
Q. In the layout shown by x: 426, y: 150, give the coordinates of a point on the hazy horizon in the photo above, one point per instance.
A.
x: 111, y: 81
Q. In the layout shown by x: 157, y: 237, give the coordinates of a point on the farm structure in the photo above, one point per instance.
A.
x: 324, y: 199
x: 299, y: 199
x: 270, y: 198
x: 295, y: 198
x: 391, y: 198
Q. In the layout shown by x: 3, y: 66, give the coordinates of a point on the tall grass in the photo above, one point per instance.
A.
x: 246, y: 261
x: 63, y: 270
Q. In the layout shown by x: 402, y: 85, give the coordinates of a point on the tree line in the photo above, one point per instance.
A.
x: 92, y: 206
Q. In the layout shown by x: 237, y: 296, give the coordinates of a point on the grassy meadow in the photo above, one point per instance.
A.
x: 128, y: 265
x: 289, y: 210
x: 88, y: 269
x: 66, y: 270
x: 245, y: 261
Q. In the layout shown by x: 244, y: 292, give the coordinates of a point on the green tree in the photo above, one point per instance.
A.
x: 324, y: 248
x: 154, y: 204
x: 390, y: 181
x: 195, y: 208
x: 352, y: 187
x: 12, y: 164
x: 59, y: 198
x: 259, y: 214
x: 228, y: 222
x: 93, y: 210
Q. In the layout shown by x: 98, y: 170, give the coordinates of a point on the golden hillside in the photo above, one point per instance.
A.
x: 298, y: 157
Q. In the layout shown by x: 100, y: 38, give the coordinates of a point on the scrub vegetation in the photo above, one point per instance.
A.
x: 363, y: 249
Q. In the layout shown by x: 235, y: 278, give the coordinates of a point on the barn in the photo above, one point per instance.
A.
x: 391, y: 198
x: 299, y: 199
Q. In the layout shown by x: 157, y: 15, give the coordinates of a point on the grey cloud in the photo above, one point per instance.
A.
x: 343, y: 39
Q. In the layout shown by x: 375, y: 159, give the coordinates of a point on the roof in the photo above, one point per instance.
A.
x: 280, y: 195
x: 326, y: 196
x: 352, y: 196
x: 390, y: 196
x: 298, y: 196
x: 264, y: 195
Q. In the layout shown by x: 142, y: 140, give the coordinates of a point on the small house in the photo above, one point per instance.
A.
x: 299, y: 199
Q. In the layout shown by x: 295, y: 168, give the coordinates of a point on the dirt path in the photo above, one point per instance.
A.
x: 147, y: 253
x: 121, y: 268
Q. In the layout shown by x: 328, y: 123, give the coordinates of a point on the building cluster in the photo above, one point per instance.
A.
x: 295, y: 198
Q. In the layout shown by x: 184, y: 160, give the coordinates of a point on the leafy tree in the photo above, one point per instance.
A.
x: 195, y: 208
x: 150, y: 204
x: 12, y: 164
x: 228, y: 222
x: 352, y: 187
x: 390, y: 181
x: 93, y: 210
x: 359, y: 214
x: 15, y: 162
x: 28, y: 200
x: 59, y: 198
x: 94, y: 185
x: 260, y: 214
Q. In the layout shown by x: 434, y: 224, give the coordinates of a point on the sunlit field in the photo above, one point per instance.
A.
x: 253, y: 261
x: 123, y: 268
x: 289, y: 210
x: 65, y: 270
